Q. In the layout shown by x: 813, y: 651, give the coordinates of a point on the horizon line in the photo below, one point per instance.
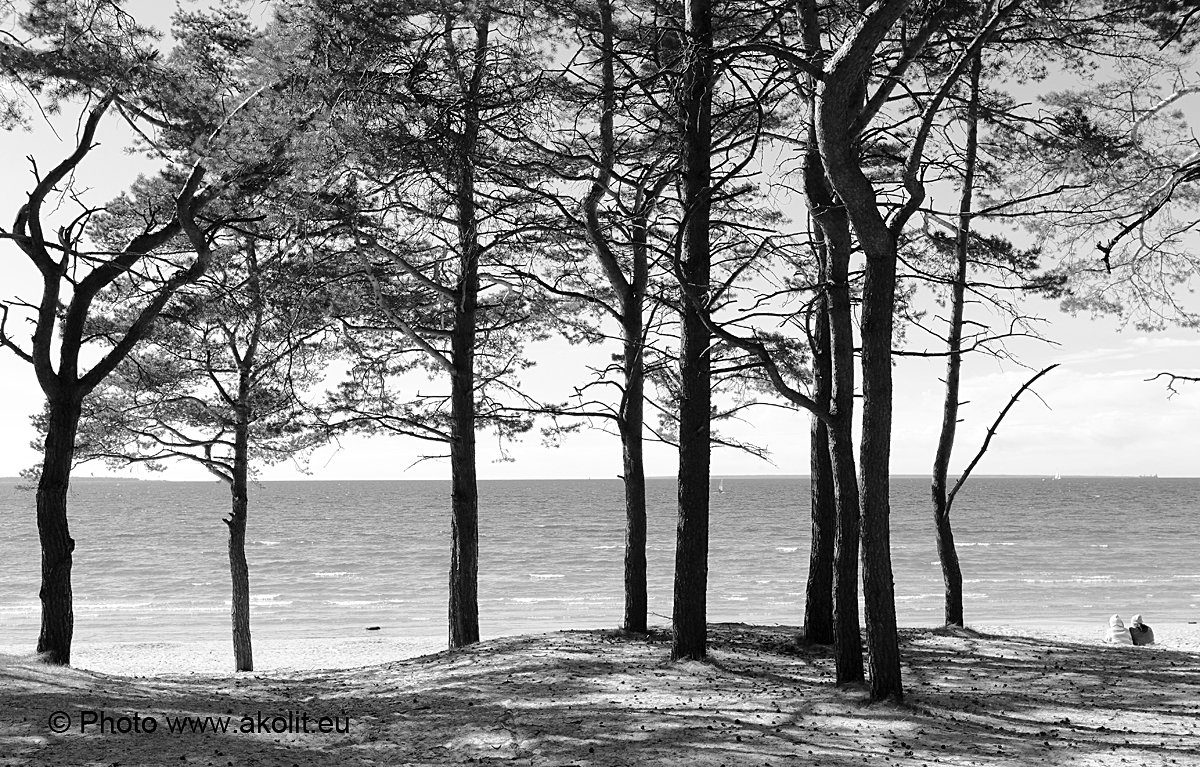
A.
x: 712, y: 477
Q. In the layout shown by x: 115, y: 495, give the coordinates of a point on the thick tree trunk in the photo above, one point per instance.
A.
x: 630, y: 424
x: 874, y: 470
x: 874, y: 464
x: 58, y: 614
x: 239, y: 570
x: 818, y: 603
x: 848, y: 653
x: 689, y: 616
x: 464, y: 524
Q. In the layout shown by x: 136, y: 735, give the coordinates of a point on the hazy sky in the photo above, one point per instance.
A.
x: 1096, y: 414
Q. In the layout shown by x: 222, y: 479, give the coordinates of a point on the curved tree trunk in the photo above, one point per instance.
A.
x: 834, y: 225
x: 942, y: 501
x: 837, y: 134
x: 630, y: 292
x: 58, y: 613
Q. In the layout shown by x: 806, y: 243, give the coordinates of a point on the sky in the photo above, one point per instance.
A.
x: 1097, y: 414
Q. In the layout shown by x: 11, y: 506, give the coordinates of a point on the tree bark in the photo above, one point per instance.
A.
x: 834, y: 225
x: 58, y: 613
x: 689, y: 615
x: 630, y: 424
x: 818, y: 603
x: 838, y: 143
x: 947, y: 553
x: 848, y: 652
x: 630, y: 292
x: 464, y: 525
x: 831, y: 218
x: 874, y: 480
x: 239, y: 570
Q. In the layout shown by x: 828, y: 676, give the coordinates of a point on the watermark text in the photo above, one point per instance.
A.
x: 100, y: 722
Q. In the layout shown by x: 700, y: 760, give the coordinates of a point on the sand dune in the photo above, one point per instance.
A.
x: 598, y: 698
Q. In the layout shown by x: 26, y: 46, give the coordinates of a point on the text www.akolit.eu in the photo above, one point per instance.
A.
x: 288, y: 723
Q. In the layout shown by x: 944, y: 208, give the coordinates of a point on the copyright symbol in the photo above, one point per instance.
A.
x: 60, y: 721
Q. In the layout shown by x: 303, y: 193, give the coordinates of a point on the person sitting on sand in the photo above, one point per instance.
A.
x: 1139, y: 632
x: 1116, y: 632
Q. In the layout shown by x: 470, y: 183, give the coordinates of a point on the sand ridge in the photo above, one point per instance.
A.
x: 602, y: 698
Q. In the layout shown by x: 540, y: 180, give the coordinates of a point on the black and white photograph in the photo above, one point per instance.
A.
x: 589, y: 383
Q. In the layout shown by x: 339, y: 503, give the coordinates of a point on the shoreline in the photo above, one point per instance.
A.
x: 601, y: 699
x: 275, y: 655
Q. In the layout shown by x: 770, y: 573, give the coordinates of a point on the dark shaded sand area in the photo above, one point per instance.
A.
x: 598, y: 698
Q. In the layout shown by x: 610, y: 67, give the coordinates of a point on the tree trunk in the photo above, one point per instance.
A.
x: 836, y: 132
x: 239, y: 570
x: 834, y: 224
x: 58, y: 614
x: 818, y: 603
x: 630, y: 424
x: 464, y: 524
x: 848, y: 654
x: 947, y: 554
x: 831, y: 217
x: 874, y: 463
x: 689, y: 616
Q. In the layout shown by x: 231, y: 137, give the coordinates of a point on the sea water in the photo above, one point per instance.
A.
x: 329, y: 559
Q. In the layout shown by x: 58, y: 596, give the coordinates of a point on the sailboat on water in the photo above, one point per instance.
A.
x: 721, y: 485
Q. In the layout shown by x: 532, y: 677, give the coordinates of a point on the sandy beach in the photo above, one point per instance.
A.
x: 599, y: 698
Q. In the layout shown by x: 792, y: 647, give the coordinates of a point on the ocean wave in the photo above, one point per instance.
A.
x: 105, y: 606
x: 787, y: 549
x: 332, y: 574
x: 544, y: 576
x: 1106, y: 579
x: 264, y: 600
x: 20, y: 608
x: 267, y: 543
